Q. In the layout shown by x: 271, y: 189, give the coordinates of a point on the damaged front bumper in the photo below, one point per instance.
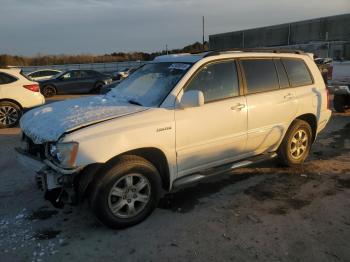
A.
x: 57, y: 183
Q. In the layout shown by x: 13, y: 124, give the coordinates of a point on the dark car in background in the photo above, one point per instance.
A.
x: 74, y: 82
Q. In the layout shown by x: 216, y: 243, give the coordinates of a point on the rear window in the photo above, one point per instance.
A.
x: 260, y: 75
x: 6, y: 79
x: 297, y: 71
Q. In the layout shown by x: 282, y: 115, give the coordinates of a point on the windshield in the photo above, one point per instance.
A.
x: 149, y: 85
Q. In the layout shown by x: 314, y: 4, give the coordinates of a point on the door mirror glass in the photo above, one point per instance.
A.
x: 192, y: 98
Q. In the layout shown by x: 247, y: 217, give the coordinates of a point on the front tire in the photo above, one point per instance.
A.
x: 296, y: 144
x: 127, y: 192
x: 10, y: 113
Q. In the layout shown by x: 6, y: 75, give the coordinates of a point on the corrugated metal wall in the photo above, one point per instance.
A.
x: 326, y: 29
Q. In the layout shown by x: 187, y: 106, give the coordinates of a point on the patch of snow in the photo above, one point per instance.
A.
x: 49, y: 122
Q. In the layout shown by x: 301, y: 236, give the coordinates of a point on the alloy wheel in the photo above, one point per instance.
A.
x: 8, y: 115
x: 129, y: 195
x: 299, y: 144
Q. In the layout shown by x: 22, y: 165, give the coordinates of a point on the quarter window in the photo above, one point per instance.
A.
x: 297, y: 71
x: 216, y: 81
x: 260, y: 75
x: 6, y: 79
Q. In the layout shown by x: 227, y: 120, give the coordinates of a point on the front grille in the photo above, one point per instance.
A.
x: 31, y: 148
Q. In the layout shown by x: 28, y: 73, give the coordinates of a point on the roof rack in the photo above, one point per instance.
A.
x: 262, y: 50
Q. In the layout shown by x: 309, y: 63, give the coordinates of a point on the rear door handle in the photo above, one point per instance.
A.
x: 238, y: 107
x: 288, y: 96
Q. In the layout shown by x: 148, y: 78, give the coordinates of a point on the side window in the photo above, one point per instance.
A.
x: 282, y: 75
x: 216, y: 81
x: 47, y: 73
x: 297, y: 72
x: 36, y: 74
x: 260, y: 75
x: 6, y: 79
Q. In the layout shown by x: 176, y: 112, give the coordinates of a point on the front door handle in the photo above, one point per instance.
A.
x: 238, y: 107
x: 288, y: 96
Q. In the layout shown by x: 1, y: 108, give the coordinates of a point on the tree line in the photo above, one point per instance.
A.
x: 39, y: 60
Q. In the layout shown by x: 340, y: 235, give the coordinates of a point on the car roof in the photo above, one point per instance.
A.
x: 193, y: 58
x: 47, y: 69
x: 10, y: 71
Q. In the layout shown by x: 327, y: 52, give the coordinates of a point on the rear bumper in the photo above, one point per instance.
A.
x: 324, y: 119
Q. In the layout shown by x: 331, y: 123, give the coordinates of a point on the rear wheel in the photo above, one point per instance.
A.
x: 296, y: 144
x: 49, y: 91
x: 10, y: 113
x: 339, y: 103
x: 127, y: 193
x: 97, y: 87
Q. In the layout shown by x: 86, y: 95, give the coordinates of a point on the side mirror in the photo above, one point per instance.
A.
x: 192, y: 98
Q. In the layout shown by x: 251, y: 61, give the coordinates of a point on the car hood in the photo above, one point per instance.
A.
x: 50, y: 122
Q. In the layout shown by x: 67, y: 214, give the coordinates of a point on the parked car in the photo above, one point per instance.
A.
x: 17, y: 93
x: 339, y: 85
x: 74, y: 81
x: 43, y: 74
x: 174, y: 121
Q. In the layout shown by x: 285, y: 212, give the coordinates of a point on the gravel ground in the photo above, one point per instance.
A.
x: 262, y: 213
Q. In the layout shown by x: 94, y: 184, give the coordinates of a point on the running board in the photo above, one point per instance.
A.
x: 221, y: 169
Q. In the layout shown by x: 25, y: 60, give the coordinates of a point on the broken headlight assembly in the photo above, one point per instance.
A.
x: 64, y: 154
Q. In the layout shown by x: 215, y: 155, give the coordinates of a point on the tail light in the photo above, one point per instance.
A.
x: 33, y: 87
x: 328, y: 99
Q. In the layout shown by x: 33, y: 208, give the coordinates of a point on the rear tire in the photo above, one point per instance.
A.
x: 49, y: 91
x: 339, y: 103
x: 127, y: 192
x: 97, y: 87
x: 10, y: 113
x: 296, y: 144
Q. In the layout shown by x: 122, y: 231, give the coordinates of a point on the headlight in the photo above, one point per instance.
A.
x: 65, y: 153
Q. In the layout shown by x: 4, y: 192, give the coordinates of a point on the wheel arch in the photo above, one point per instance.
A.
x: 49, y: 84
x: 90, y: 174
x: 158, y: 158
x: 12, y: 101
x: 312, y: 121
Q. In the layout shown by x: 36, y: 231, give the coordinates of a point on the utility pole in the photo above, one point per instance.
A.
x: 203, y: 31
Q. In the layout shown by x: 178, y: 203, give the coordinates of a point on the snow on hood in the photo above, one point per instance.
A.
x: 49, y: 122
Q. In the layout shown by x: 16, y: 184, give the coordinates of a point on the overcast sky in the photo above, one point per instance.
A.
x: 29, y: 27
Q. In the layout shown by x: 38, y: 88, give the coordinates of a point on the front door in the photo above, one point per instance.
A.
x: 69, y: 82
x: 215, y: 133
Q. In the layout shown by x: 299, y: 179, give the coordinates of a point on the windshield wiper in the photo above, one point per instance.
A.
x: 133, y: 102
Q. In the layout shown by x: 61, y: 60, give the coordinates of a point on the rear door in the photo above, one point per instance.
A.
x: 215, y: 133
x: 271, y: 103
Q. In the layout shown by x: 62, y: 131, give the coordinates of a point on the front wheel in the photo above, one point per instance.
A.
x: 296, y: 144
x: 127, y: 193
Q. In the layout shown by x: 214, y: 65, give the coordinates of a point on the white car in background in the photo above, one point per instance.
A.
x: 17, y: 93
x: 175, y: 121
x: 43, y: 74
